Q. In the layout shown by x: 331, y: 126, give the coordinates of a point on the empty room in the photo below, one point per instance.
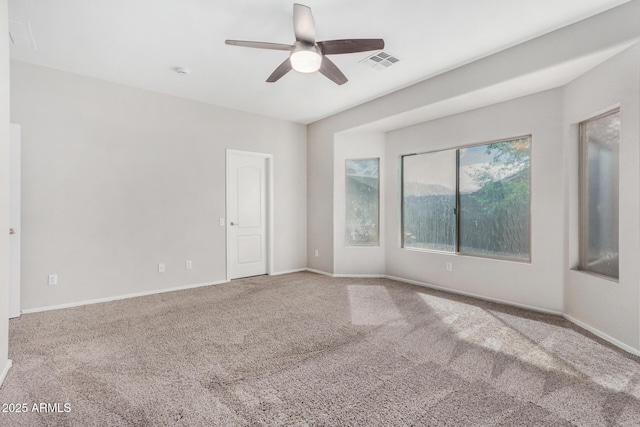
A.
x: 332, y: 213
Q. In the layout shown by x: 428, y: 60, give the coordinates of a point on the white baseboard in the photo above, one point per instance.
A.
x: 583, y: 325
x: 602, y: 335
x: 119, y: 297
x: 440, y: 288
x: 324, y: 273
x: 362, y: 276
x: 5, y: 371
x: 279, y: 273
x: 481, y: 297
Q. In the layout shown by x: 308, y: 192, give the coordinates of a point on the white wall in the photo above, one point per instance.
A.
x: 514, y: 92
x: 4, y: 189
x: 610, y: 307
x: 320, y: 200
x: 357, y: 260
x: 522, y: 70
x: 117, y: 180
x: 538, y: 284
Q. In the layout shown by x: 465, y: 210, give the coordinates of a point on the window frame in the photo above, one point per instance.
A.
x: 401, y: 213
x: 457, y: 251
x: 362, y: 245
x: 583, y: 198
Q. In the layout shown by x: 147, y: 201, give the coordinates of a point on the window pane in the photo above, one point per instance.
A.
x: 599, y: 228
x: 429, y: 201
x: 494, y: 199
x: 362, y: 202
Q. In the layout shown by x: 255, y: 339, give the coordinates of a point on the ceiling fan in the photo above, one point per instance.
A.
x: 305, y: 54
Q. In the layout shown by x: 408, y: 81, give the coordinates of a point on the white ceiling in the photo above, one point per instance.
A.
x: 140, y: 42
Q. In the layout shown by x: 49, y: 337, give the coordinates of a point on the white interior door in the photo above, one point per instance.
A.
x: 247, y: 201
x: 14, y: 218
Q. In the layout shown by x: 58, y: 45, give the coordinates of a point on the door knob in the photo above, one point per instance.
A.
x: 12, y: 230
x: 234, y: 223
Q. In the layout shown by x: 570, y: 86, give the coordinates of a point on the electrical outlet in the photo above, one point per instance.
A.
x: 161, y: 267
x: 317, y: 253
x: 449, y: 266
x: 53, y: 279
x: 188, y: 264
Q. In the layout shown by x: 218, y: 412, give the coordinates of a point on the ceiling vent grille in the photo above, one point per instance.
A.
x: 380, y: 61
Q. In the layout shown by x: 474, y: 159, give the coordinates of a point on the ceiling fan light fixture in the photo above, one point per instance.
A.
x: 308, y: 56
x: 306, y: 61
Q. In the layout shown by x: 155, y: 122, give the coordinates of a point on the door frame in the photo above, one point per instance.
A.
x: 15, y: 165
x: 268, y: 158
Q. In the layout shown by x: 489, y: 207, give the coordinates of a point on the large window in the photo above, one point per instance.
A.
x: 599, y: 195
x: 472, y: 200
x: 362, y: 202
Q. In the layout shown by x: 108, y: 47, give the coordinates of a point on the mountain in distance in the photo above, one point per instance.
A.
x: 420, y: 189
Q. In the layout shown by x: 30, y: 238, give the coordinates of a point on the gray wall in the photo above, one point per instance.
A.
x: 608, y: 306
x: 357, y: 260
x: 538, y: 284
x: 320, y: 200
x: 522, y: 70
x: 4, y: 186
x: 116, y: 180
x: 515, y: 92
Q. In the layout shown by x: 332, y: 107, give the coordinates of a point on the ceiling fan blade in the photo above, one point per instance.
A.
x: 282, y: 69
x: 303, y: 25
x: 259, y: 45
x: 332, y: 72
x: 336, y: 47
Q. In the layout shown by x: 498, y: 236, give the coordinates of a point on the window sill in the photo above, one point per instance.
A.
x: 596, y: 275
x: 465, y: 255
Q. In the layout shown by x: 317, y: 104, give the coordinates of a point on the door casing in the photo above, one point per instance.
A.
x: 14, y: 215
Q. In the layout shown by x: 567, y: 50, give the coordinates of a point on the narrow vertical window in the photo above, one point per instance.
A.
x: 599, y: 194
x: 362, y: 202
x: 429, y: 201
x: 494, y: 199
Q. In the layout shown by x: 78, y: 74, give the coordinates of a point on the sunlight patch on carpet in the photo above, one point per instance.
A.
x: 373, y: 306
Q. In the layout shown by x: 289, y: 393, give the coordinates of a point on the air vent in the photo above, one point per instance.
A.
x: 380, y: 61
x: 20, y: 35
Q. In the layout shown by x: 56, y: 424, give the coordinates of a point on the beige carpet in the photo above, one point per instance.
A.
x: 304, y: 349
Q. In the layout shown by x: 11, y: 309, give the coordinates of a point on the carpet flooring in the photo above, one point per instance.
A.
x: 304, y: 349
